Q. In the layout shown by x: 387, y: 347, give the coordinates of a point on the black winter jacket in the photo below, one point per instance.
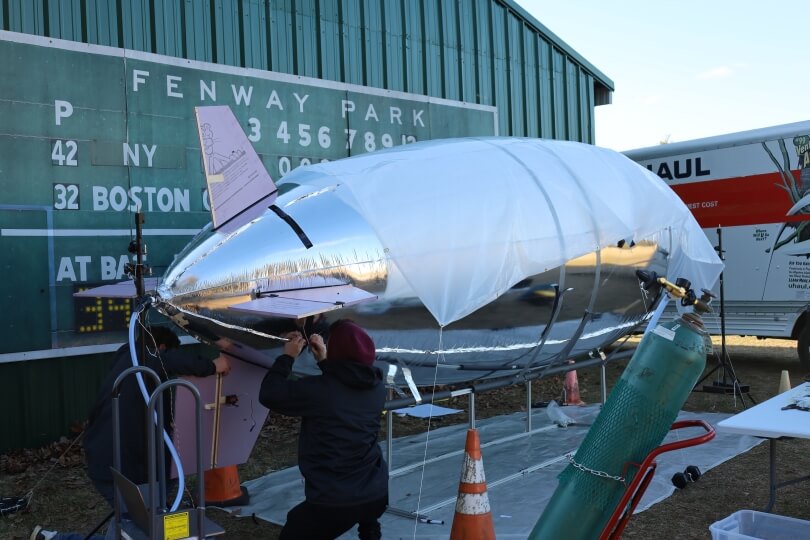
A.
x: 98, y: 438
x: 338, y: 454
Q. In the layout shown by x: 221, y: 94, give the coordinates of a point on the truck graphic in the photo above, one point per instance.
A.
x: 753, y: 186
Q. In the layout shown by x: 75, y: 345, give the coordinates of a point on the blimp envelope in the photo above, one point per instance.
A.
x: 464, y: 220
x: 459, y: 232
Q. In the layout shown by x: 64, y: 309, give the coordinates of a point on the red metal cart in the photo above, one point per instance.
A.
x: 636, y: 488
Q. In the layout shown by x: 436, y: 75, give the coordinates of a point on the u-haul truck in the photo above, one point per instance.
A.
x: 755, y: 187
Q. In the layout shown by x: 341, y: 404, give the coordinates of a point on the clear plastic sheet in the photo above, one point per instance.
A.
x: 489, y: 212
x: 521, y: 473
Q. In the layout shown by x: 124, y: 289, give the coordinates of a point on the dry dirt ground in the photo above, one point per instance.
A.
x: 64, y: 499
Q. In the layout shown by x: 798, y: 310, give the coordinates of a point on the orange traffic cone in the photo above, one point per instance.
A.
x: 473, y: 517
x: 571, y: 389
x: 222, y: 487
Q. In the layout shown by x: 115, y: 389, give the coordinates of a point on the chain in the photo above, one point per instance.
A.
x: 570, y: 457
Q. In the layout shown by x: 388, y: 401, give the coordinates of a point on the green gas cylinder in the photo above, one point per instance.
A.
x: 634, y: 420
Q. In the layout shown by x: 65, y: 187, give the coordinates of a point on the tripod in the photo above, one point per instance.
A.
x: 729, y: 384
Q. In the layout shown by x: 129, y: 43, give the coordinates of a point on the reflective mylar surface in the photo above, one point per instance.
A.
x: 533, y: 321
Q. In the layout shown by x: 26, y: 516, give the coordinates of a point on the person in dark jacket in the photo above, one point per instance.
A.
x: 346, y: 477
x: 167, y: 360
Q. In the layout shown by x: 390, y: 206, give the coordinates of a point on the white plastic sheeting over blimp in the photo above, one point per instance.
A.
x: 466, y: 219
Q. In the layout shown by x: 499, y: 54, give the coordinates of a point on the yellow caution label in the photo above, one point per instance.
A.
x: 175, y: 526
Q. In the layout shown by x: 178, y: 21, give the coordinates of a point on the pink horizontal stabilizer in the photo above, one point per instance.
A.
x: 302, y: 303
x: 236, y: 178
x: 123, y: 289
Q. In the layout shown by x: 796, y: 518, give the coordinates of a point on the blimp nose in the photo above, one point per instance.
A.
x: 308, y: 238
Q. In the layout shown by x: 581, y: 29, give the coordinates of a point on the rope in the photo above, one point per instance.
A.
x: 439, y: 358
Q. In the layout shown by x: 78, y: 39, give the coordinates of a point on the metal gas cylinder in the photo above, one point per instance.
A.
x: 634, y: 420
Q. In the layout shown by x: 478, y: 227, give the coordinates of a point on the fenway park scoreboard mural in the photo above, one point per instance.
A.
x: 89, y: 135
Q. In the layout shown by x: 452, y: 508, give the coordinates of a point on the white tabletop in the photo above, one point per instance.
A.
x: 769, y: 420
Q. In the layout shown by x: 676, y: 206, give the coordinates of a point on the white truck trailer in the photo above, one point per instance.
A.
x: 754, y: 187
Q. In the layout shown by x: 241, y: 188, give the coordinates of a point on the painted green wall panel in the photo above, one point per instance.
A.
x: 516, y: 73
x: 590, y: 100
x: 306, y: 38
x: 138, y: 134
x: 473, y: 50
x: 65, y: 19
x: 451, y: 52
x: 71, y: 385
x: 560, y: 116
x: 414, y: 49
x: 282, y: 37
x: 583, y: 97
x: 330, y: 40
x: 136, y: 21
x: 394, y: 42
x: 168, y: 28
x: 467, y: 46
x: 254, y: 34
x: 227, y: 42
x: 483, y: 52
x: 374, y: 45
x: 486, y: 81
x: 546, y: 93
x: 531, y: 81
x: 101, y: 22
x: 500, y: 72
x: 197, y: 33
x: 352, y: 17
x: 26, y: 16
x: 433, y: 49
x: 571, y: 96
x: 30, y: 286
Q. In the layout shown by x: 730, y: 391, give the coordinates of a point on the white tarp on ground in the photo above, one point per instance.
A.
x: 492, y: 211
x: 521, y: 473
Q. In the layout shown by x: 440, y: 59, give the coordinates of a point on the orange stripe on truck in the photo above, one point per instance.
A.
x: 746, y: 200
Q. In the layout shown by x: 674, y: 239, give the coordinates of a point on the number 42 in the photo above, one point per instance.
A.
x: 59, y: 156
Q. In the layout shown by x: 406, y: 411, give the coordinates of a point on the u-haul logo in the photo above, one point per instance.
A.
x: 679, y: 168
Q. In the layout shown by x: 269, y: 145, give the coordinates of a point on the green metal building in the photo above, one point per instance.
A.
x: 96, y: 122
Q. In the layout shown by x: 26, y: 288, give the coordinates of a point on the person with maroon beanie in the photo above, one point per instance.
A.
x: 345, y: 475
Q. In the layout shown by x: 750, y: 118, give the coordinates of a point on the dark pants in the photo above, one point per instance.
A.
x: 320, y: 522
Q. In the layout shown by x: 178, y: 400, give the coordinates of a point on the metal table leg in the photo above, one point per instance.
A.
x: 774, y: 484
x: 772, y: 477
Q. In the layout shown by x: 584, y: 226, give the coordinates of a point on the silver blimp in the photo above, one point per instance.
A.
x: 463, y: 258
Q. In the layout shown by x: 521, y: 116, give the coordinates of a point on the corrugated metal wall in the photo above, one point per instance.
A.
x: 50, y: 395
x: 53, y: 395
x: 489, y: 52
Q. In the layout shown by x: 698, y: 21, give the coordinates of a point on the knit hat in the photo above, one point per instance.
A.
x: 349, y: 342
